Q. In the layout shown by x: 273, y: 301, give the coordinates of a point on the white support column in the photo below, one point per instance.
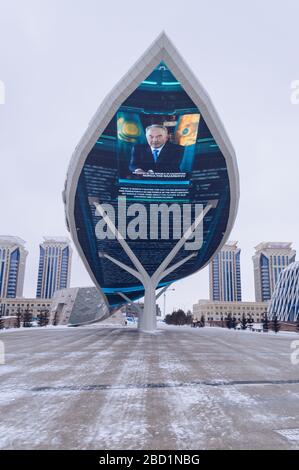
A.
x: 148, y: 321
x: 138, y: 308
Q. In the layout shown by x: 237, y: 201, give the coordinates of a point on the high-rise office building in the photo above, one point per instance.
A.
x: 225, y: 274
x: 54, y: 266
x: 269, y: 260
x: 12, y: 266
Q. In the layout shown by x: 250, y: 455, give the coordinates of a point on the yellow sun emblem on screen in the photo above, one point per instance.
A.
x: 186, y: 132
x: 128, y: 131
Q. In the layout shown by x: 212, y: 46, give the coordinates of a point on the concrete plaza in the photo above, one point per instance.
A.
x: 111, y: 387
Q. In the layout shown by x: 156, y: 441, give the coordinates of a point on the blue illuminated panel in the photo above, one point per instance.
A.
x: 191, y: 169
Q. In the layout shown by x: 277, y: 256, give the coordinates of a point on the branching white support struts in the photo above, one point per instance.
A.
x: 136, y: 305
x: 147, y: 321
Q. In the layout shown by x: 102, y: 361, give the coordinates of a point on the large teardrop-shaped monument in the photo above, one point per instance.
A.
x: 152, y: 188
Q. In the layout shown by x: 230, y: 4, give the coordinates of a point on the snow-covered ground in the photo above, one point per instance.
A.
x: 111, y: 387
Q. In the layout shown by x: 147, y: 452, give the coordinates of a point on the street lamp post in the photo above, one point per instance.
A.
x: 164, y: 308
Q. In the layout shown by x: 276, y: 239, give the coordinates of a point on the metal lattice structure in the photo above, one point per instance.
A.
x: 285, y: 300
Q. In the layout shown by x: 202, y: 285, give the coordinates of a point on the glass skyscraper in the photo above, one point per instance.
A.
x: 285, y: 300
x: 54, y: 266
x: 269, y: 260
x: 12, y: 266
x: 225, y: 274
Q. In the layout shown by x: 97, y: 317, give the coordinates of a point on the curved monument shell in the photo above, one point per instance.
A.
x: 152, y: 188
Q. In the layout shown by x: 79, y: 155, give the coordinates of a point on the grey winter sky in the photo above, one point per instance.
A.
x: 58, y: 60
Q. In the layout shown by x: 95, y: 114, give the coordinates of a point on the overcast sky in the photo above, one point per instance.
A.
x: 59, y: 59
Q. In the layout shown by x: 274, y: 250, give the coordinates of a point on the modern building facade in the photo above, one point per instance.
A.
x: 54, y: 266
x: 218, y: 311
x: 225, y: 274
x: 12, y: 266
x: 285, y: 300
x: 77, y: 305
x: 269, y: 260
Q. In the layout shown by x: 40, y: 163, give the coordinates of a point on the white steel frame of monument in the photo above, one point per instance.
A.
x: 161, y: 50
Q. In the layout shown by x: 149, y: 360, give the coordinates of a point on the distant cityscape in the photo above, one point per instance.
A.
x: 54, y: 266
x: 276, y: 277
x: 270, y: 262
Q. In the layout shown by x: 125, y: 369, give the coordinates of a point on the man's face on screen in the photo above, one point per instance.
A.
x: 156, y: 137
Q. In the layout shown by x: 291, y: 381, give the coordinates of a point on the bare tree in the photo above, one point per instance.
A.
x: 27, y: 319
x: 19, y: 317
x: 265, y: 324
x: 243, y: 322
x: 43, y: 317
x: 275, y: 324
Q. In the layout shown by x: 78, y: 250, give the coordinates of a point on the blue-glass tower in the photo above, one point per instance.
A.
x: 225, y: 274
x: 12, y: 266
x: 269, y: 260
x: 54, y: 266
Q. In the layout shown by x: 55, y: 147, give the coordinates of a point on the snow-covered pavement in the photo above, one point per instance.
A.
x: 109, y: 387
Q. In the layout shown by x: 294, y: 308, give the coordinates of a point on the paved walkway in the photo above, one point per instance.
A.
x: 115, y: 388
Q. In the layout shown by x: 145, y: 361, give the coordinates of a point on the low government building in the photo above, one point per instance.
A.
x: 12, y: 306
x: 217, y: 311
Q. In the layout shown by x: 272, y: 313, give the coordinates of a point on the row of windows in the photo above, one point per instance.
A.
x: 237, y: 315
x: 217, y: 317
x: 27, y: 305
x: 53, y: 250
x: 234, y: 313
x: 228, y: 255
x: 229, y: 308
x: 280, y: 260
x: 14, y: 310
